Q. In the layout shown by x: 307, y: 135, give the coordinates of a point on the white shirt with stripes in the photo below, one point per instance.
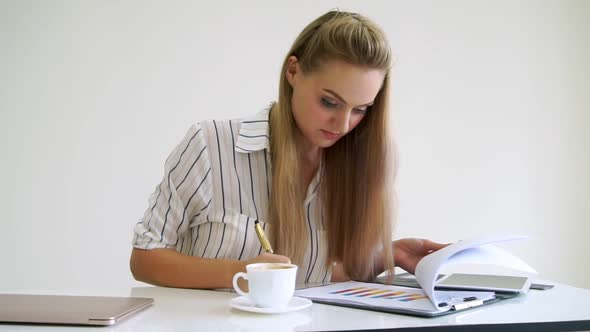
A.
x: 217, y: 183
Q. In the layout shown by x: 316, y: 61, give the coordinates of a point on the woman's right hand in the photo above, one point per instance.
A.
x: 268, y: 258
x: 263, y: 258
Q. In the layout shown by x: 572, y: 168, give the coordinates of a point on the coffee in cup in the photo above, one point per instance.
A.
x: 271, y: 285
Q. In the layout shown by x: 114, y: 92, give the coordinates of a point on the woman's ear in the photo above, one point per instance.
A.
x: 293, y: 70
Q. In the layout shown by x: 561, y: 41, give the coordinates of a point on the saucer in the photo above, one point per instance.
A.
x: 244, y: 303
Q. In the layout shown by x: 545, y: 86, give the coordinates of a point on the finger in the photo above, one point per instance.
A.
x: 432, y: 246
x: 283, y: 259
x: 275, y: 258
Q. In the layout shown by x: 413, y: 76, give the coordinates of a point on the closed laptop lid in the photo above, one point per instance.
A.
x: 67, y: 309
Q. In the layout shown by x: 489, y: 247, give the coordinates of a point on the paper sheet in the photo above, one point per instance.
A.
x: 477, y: 250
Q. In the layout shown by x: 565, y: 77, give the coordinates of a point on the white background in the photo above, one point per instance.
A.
x: 490, y: 109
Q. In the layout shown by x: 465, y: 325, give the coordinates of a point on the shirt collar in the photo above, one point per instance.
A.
x: 254, y: 133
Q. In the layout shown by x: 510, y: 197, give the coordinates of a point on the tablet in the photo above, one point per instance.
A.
x: 68, y: 310
x: 485, y: 282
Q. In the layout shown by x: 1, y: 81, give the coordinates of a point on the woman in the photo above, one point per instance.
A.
x: 314, y: 169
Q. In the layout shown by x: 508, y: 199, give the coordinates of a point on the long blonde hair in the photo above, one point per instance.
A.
x: 359, y: 168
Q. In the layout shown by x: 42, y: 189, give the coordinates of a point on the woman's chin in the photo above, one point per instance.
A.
x: 326, y: 143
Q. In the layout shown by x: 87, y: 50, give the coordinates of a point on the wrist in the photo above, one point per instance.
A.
x: 235, y: 267
x: 231, y: 267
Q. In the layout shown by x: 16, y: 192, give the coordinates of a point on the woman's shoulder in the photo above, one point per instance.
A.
x: 256, y: 121
x: 248, y: 127
x: 254, y: 117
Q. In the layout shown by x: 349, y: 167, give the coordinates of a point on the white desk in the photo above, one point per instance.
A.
x: 561, y: 308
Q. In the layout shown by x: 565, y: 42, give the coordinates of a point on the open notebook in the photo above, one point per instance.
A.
x: 397, y: 299
x: 425, y: 301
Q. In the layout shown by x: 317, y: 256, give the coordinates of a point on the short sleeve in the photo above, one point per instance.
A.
x: 182, y: 197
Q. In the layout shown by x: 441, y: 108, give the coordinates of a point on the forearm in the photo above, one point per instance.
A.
x: 338, y: 273
x: 166, y: 267
x: 379, y: 263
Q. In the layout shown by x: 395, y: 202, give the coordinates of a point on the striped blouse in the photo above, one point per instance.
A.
x: 216, y: 184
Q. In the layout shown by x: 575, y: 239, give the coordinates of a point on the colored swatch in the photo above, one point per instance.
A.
x: 373, y: 293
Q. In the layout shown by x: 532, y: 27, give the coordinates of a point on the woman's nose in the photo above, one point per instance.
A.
x: 342, y: 121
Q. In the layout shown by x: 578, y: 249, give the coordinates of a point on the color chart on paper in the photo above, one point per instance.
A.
x: 375, y: 293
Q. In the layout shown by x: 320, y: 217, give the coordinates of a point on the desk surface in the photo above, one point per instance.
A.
x: 561, y: 308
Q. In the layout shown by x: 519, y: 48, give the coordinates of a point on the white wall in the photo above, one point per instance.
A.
x: 490, y: 107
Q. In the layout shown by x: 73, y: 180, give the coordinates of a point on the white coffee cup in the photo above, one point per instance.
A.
x: 271, y: 285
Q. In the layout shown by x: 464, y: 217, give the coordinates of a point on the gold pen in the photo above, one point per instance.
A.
x: 263, y: 241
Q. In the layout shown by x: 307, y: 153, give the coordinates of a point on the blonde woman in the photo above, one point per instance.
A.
x: 314, y: 169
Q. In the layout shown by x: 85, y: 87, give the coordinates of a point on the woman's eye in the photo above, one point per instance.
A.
x: 328, y: 103
x: 360, y: 111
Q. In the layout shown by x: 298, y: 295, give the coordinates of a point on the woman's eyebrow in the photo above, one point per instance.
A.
x: 342, y: 99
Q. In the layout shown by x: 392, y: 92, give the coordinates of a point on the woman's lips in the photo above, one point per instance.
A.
x: 330, y: 135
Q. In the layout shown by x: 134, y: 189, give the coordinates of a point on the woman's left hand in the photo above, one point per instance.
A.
x: 408, y: 252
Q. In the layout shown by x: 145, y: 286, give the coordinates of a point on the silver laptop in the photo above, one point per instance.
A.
x: 68, y: 310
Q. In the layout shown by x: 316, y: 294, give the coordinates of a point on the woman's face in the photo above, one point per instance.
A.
x: 330, y: 102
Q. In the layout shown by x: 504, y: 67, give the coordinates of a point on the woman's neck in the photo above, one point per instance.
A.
x: 310, y: 154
